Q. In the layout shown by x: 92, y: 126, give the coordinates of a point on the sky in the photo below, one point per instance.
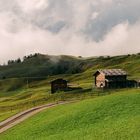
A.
x: 70, y: 27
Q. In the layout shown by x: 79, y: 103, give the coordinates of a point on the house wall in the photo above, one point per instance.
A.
x: 58, y: 85
x: 117, y: 84
x: 116, y: 78
x: 115, y: 81
x: 100, y: 80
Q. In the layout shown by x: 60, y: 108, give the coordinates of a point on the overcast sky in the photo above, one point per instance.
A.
x: 73, y: 27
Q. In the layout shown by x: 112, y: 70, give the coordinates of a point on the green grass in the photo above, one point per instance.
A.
x: 111, y: 117
x: 38, y: 93
x: 16, y: 101
x: 16, y: 97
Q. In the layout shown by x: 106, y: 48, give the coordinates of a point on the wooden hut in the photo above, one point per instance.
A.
x: 110, y: 78
x: 138, y: 83
x: 58, y: 85
x: 132, y: 83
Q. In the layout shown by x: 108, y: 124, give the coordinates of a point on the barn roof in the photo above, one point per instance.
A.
x: 59, y: 79
x: 111, y: 72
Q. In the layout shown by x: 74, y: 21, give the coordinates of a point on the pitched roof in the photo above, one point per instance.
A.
x: 112, y: 72
x: 59, y: 79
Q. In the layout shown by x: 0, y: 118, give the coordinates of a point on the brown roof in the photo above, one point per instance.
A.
x: 112, y: 72
x: 59, y: 79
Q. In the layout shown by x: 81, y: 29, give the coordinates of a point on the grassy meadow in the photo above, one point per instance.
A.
x: 37, y: 93
x: 114, y: 116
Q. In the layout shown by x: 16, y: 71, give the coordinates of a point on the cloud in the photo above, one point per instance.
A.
x: 91, y: 28
x: 29, y: 6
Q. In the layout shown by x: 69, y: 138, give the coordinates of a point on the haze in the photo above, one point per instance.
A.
x: 70, y: 27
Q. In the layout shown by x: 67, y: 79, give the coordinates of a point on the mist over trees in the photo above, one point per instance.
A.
x: 19, y: 60
x: 39, y: 65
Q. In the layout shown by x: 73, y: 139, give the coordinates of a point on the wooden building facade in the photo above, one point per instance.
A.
x: 110, y: 78
x: 58, y: 85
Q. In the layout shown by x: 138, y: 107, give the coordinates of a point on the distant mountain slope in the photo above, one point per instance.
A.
x: 45, y: 65
x: 40, y: 66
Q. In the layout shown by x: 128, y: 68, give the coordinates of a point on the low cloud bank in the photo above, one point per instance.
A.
x: 68, y: 27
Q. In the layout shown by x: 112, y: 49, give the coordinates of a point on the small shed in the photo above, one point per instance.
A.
x: 58, y: 85
x: 110, y: 78
x: 132, y: 83
x: 138, y: 83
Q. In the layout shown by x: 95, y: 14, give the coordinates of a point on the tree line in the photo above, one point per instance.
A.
x: 19, y: 60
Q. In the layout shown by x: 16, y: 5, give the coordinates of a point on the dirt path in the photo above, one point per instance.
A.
x: 16, y: 119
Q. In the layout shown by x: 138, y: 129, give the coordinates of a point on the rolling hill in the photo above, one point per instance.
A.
x: 115, y: 116
x: 42, y: 67
x: 39, y: 65
x: 27, y: 84
x: 20, y: 90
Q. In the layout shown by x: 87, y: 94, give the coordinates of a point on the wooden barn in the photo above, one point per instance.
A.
x: 58, y: 85
x: 110, y: 78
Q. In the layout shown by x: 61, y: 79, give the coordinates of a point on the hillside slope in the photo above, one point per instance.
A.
x: 40, y: 66
x: 18, y: 94
x: 115, y: 116
x: 44, y: 65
